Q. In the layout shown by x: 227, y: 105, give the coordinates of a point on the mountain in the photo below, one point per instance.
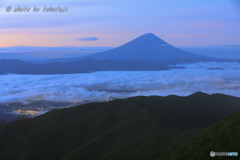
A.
x: 146, y: 47
x: 93, y: 65
x: 146, y: 128
x: 37, y: 54
x: 146, y: 53
x: 2, y: 121
x: 20, y: 67
x: 221, y: 137
x: 81, y: 66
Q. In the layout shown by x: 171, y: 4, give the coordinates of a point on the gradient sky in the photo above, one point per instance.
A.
x: 114, y: 22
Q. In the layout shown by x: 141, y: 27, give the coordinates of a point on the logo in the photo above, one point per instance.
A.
x: 212, y: 154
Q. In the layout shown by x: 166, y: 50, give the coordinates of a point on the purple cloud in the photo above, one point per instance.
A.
x: 87, y: 39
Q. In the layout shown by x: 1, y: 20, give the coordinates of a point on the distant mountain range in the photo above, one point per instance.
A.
x: 145, y: 53
x: 224, y: 51
x: 81, y: 66
x: 144, y: 128
x: 36, y: 54
x: 19, y: 67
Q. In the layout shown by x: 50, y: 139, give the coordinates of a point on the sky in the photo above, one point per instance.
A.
x: 111, y: 23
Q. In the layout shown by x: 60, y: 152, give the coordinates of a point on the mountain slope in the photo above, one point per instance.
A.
x: 146, y: 47
x: 2, y: 121
x: 81, y: 66
x: 134, y: 128
x: 222, y: 137
x: 92, y: 65
x: 20, y: 67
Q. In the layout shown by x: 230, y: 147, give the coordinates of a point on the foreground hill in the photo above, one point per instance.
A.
x: 145, y: 128
x: 222, y: 137
x: 2, y: 121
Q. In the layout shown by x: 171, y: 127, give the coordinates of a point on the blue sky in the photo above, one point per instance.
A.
x: 113, y: 23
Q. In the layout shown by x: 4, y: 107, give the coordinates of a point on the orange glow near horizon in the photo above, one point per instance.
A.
x: 108, y: 40
x: 57, y: 40
x: 57, y: 37
x: 114, y: 23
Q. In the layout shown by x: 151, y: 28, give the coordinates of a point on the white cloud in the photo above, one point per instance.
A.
x: 100, y: 86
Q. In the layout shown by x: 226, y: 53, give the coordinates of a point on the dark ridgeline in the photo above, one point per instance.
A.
x: 144, y: 128
x: 221, y: 137
x: 81, y: 66
x: 16, y: 66
x: 2, y: 121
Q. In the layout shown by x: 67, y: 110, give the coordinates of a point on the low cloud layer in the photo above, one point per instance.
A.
x: 101, y: 86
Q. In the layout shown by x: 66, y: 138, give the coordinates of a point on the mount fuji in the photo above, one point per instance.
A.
x: 147, y: 47
x: 145, y: 53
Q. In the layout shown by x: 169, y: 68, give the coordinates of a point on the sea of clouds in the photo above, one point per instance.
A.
x: 102, y: 86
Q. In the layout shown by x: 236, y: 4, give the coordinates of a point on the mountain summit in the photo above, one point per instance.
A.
x: 146, y: 47
x: 146, y: 40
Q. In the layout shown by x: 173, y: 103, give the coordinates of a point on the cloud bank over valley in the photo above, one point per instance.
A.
x: 101, y: 86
